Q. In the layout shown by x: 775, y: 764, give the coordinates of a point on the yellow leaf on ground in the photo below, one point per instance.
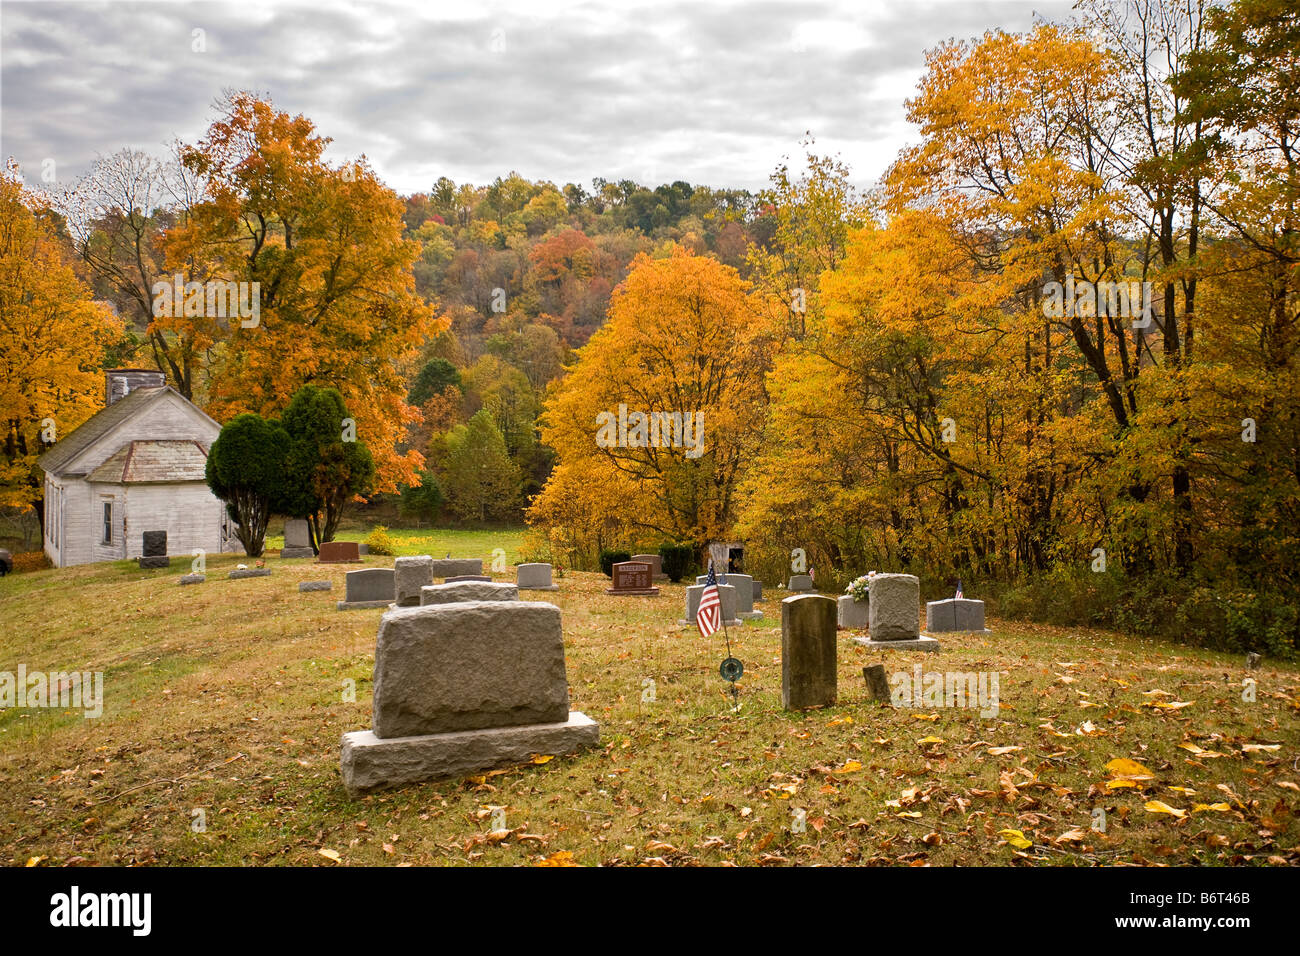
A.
x: 926, y: 741
x: 850, y: 766
x: 999, y: 751
x: 1123, y: 767
x: 1156, y: 806
x: 330, y: 854
x: 543, y: 758
x: 35, y: 860
x: 1016, y: 839
x: 1217, y: 807
x: 1252, y: 748
x: 1118, y: 784
x: 563, y: 858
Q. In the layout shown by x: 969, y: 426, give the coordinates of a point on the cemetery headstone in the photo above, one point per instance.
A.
x: 534, y: 577
x: 411, y: 574
x: 468, y: 577
x: 809, y: 676
x: 744, y: 586
x: 193, y: 579
x: 726, y: 598
x: 456, y: 591
x: 339, y: 552
x: 240, y: 573
x: 894, y: 615
x: 315, y: 586
x: 368, y: 587
x: 852, y: 614
x: 154, y: 551
x: 758, y: 590
x: 454, y: 567
x: 632, y: 579
x: 656, y: 563
x: 464, y: 687
x: 801, y: 583
x: 297, y: 539
x: 954, y: 614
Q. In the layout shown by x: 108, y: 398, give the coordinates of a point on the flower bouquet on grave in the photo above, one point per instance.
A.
x: 860, y: 588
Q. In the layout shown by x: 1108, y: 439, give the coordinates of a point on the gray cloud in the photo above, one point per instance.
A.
x: 708, y: 92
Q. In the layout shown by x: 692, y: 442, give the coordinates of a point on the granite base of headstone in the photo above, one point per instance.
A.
x: 193, y: 579
x: 632, y: 579
x: 297, y: 539
x: 459, y: 591
x: 410, y: 574
x: 809, y: 665
x: 656, y: 563
x: 455, y: 578
x: 922, y: 643
x: 339, y: 552
x: 535, y: 576
x: 368, y: 587
x: 315, y: 586
x: 955, y: 614
x: 154, y: 551
x: 465, y: 687
x: 455, y: 567
x: 852, y: 614
x: 726, y: 598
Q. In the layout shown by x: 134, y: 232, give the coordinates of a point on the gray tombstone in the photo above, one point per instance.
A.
x: 954, y: 614
x: 315, y: 586
x: 467, y: 577
x: 809, y: 674
x: 726, y: 597
x: 656, y: 563
x: 801, y: 583
x: 368, y: 587
x: 744, y: 586
x: 455, y: 591
x: 240, y: 573
x: 297, y: 539
x: 454, y: 567
x: 411, y: 574
x: 895, y: 607
x: 534, y: 577
x: 758, y: 590
x: 193, y: 579
x: 154, y: 550
x: 852, y: 614
x: 464, y: 687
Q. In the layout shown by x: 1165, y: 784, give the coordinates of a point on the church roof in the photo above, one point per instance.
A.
x: 153, y: 461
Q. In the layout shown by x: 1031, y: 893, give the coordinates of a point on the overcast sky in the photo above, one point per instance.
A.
x: 713, y: 93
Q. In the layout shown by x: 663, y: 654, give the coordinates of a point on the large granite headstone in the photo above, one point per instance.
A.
x: 465, y: 687
x: 154, y: 550
x: 744, y: 586
x: 339, y: 552
x: 534, y: 577
x: 368, y: 587
x: 801, y: 584
x: 894, y: 615
x: 454, y: 591
x: 297, y: 539
x: 726, y: 598
x: 809, y: 674
x: 411, y: 574
x: 632, y: 578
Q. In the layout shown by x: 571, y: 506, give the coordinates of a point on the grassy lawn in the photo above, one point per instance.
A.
x: 226, y: 698
x: 438, y: 542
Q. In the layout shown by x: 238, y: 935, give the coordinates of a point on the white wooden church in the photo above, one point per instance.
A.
x: 137, y: 465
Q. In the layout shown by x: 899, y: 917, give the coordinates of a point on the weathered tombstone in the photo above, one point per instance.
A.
x: 454, y: 567
x: 801, y: 583
x: 851, y: 613
x: 315, y: 586
x: 726, y: 598
x: 468, y: 577
x: 809, y: 673
x: 656, y: 563
x: 758, y: 590
x: 456, y: 591
x: 240, y: 573
x: 297, y: 539
x: 877, y: 683
x: 744, y: 586
x: 954, y: 614
x: 465, y: 687
x: 894, y: 615
x: 534, y: 577
x: 339, y: 552
x: 193, y: 579
x: 411, y: 574
x: 154, y: 553
x: 632, y: 578
x: 368, y: 587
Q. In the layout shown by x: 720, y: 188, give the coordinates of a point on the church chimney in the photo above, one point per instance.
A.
x: 120, y: 382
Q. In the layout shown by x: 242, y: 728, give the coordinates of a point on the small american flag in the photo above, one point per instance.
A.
x: 709, y: 616
x: 958, y: 595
